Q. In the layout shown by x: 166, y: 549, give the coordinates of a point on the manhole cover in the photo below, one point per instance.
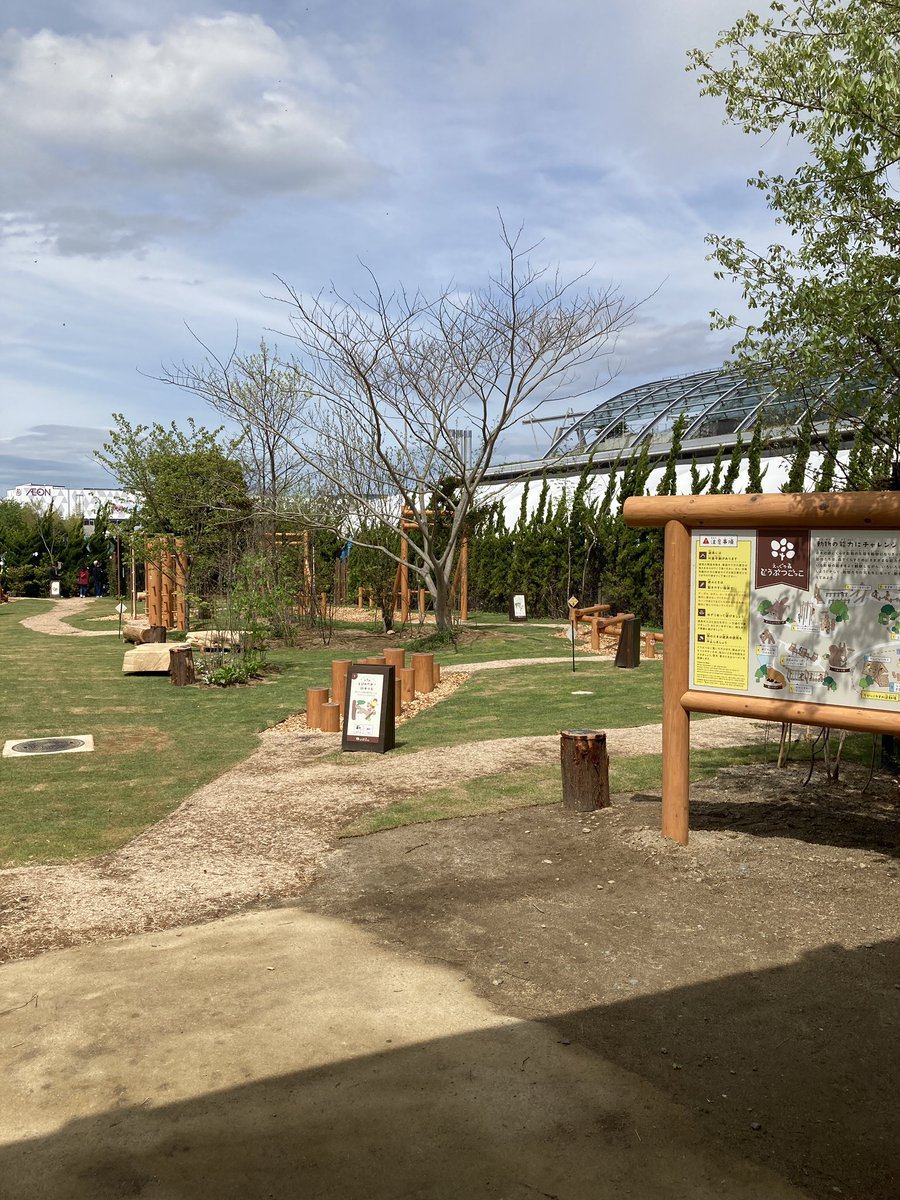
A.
x: 49, y: 745
x: 46, y: 745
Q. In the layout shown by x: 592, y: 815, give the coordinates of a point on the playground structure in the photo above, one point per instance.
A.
x: 682, y: 516
x: 594, y: 615
x: 164, y: 576
x: 325, y: 705
x: 459, y: 588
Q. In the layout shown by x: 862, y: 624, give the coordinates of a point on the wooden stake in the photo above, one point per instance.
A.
x: 423, y: 665
x: 331, y: 718
x: 339, y: 669
x: 408, y: 684
x: 464, y: 581
x: 395, y: 656
x: 315, y: 698
x: 359, y: 598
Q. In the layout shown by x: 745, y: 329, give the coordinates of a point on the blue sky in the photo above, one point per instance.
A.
x: 161, y: 164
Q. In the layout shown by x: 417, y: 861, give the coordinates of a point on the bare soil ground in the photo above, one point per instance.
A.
x: 754, y: 976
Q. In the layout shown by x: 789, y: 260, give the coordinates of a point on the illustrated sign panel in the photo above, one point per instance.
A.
x: 369, y: 709
x: 797, y: 615
x: 517, y: 611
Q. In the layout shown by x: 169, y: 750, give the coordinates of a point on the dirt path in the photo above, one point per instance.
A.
x: 54, y: 621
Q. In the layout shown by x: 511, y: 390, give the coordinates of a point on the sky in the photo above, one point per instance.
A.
x: 164, y: 166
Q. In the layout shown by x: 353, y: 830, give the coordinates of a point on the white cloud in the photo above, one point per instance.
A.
x: 148, y: 127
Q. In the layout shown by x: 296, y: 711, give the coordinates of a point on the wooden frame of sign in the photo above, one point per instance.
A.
x: 369, y: 719
x: 517, y: 609
x: 729, y: 521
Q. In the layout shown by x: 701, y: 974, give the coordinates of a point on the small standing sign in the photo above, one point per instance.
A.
x: 369, y: 708
x: 517, y: 610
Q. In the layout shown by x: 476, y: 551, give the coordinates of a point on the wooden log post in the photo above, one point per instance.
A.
x: 407, y: 684
x: 649, y: 646
x: 676, y: 731
x: 359, y: 598
x: 595, y: 633
x: 585, y: 769
x: 330, y: 719
x: 436, y: 674
x: 421, y: 604
x: 395, y: 656
x: 181, y: 665
x: 398, y: 692
x: 339, y: 669
x: 423, y: 665
x: 315, y: 698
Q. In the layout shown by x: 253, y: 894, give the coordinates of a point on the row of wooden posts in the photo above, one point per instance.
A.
x: 595, y: 616
x: 325, y: 706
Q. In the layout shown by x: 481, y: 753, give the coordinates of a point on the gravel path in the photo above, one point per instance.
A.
x: 54, y: 621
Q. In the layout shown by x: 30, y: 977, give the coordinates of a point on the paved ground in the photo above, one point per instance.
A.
x: 283, y: 1054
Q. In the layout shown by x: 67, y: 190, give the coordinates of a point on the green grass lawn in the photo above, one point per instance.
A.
x: 154, y: 743
x: 529, y: 700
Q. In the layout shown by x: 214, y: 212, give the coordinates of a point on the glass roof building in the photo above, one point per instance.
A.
x: 719, y: 408
x: 714, y: 402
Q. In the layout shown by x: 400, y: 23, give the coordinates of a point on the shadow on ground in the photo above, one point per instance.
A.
x: 499, y: 1113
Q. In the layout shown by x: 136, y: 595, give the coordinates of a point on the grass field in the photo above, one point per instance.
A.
x: 155, y: 744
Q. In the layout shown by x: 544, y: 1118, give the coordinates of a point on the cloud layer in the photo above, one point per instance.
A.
x: 110, y: 142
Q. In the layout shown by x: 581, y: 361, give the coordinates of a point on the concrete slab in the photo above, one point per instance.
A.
x: 283, y: 1054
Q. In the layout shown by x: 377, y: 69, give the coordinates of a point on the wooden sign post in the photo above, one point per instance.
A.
x: 762, y: 596
x: 369, y: 709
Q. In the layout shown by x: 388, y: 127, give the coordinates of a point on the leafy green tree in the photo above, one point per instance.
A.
x: 828, y: 297
x: 189, y: 485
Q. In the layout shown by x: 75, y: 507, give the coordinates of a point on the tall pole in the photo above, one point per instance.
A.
x: 676, y: 726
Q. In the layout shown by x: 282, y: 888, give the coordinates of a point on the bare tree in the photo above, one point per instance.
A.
x: 396, y: 386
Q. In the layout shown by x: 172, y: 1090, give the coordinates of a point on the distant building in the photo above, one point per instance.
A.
x: 75, y: 502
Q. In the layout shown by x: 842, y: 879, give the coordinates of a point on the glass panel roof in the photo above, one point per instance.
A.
x: 715, y: 402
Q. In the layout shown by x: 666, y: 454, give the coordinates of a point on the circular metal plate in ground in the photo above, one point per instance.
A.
x: 47, y: 745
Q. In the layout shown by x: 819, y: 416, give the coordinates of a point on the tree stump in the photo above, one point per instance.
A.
x: 315, y: 698
x: 331, y: 718
x: 181, y: 665
x: 585, y: 769
x: 423, y: 665
x: 398, y: 692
